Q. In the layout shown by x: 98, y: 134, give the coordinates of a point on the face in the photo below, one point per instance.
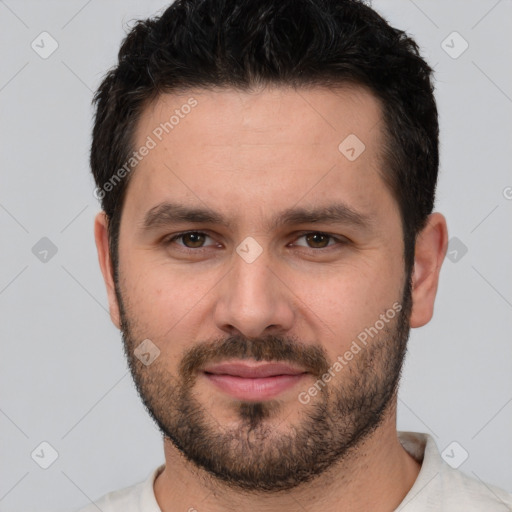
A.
x: 249, y: 235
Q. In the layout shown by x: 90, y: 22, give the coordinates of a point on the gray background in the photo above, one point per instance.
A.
x: 64, y: 379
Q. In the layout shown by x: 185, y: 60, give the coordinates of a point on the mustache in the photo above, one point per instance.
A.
x: 271, y: 348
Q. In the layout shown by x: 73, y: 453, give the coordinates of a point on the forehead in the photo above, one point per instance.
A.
x: 274, y: 145
x: 271, y: 115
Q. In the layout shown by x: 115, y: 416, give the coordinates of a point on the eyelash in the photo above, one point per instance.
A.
x: 340, y: 241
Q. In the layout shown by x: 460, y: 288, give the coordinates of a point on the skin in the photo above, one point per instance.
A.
x: 250, y: 155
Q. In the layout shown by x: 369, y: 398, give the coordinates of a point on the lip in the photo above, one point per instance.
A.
x: 246, y: 381
x: 251, y: 370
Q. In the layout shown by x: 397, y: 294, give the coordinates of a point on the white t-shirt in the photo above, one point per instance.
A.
x: 438, y: 488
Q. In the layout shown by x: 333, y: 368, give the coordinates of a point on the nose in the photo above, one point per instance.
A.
x: 253, y: 298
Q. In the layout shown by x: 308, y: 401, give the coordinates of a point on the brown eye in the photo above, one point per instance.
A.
x: 190, y: 240
x: 318, y: 240
x: 193, y: 240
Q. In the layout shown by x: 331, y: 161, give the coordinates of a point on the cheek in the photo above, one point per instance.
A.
x: 349, y: 300
x: 162, y: 300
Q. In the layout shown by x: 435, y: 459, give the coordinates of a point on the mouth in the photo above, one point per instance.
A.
x: 253, y: 380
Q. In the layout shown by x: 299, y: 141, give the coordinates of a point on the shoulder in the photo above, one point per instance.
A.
x: 134, y: 498
x: 126, y: 500
x: 469, y: 493
x: 440, y: 487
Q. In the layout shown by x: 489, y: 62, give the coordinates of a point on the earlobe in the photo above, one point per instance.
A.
x: 431, y: 245
x: 101, y: 238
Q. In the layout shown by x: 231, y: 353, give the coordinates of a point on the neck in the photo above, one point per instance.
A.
x: 375, y: 476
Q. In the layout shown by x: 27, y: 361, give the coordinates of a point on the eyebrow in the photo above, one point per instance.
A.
x: 167, y: 213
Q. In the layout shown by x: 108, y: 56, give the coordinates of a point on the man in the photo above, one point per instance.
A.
x: 267, y: 172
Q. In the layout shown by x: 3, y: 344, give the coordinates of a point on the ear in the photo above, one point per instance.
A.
x: 431, y: 246
x: 101, y: 237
